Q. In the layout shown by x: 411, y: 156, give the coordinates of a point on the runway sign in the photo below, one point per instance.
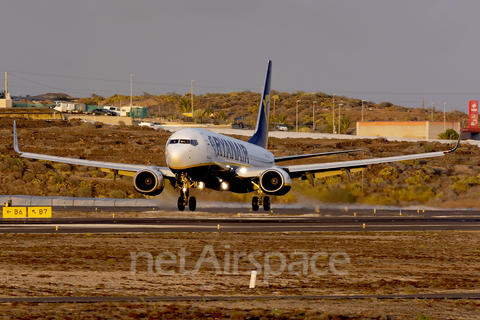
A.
x: 39, y: 212
x: 14, y: 212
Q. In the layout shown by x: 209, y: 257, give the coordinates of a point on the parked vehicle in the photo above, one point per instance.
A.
x: 100, y: 112
x: 153, y: 125
x: 115, y: 110
x: 281, y: 126
x: 69, y: 107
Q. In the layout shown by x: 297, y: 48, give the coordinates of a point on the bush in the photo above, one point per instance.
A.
x: 62, y: 167
x: 84, y: 192
x: 37, y: 167
x: 28, y: 176
x: 58, y: 178
x: 82, y: 169
x: 117, y: 194
x: 388, y: 172
x: 449, y: 134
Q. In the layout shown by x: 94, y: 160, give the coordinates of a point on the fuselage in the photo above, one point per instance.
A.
x: 213, y: 158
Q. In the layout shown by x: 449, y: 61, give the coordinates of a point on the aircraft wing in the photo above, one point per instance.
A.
x: 334, y: 168
x: 122, y: 168
x: 303, y: 156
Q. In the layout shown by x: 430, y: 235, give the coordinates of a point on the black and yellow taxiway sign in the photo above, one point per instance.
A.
x: 24, y: 212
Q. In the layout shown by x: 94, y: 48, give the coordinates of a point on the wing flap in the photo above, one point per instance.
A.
x: 311, y: 155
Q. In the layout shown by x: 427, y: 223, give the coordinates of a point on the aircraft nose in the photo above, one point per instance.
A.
x: 177, y: 156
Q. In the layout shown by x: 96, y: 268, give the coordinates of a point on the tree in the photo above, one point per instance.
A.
x: 282, y: 118
x: 185, y: 105
x: 449, y: 134
x: 344, y: 124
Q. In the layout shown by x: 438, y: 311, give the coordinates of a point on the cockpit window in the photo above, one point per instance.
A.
x: 184, y: 141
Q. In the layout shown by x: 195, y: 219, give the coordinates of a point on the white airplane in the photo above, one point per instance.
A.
x: 198, y: 158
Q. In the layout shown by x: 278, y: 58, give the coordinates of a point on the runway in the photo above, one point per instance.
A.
x: 93, y: 299
x: 281, y: 220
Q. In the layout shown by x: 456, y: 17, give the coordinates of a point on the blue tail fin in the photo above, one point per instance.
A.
x: 260, y: 137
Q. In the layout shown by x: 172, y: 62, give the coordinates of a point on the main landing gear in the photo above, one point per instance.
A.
x: 256, y: 202
x: 185, y: 199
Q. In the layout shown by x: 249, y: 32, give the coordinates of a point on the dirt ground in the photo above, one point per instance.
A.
x: 118, y: 265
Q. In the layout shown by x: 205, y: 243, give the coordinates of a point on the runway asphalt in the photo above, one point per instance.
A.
x: 280, y: 220
x: 70, y: 299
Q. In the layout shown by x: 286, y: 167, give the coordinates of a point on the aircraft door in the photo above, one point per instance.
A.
x: 209, y: 146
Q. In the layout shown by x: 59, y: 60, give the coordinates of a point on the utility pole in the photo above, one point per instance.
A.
x: 333, y: 112
x: 339, y: 108
x: 444, y: 118
x: 6, y: 85
x: 296, y: 112
x: 191, y: 97
x: 362, y: 109
x: 131, y: 90
x: 432, y: 111
x: 314, y: 102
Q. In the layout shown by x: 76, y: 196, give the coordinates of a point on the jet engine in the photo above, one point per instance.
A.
x: 275, y: 182
x: 149, y: 182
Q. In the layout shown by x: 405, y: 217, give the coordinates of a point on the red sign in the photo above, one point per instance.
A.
x: 473, y: 113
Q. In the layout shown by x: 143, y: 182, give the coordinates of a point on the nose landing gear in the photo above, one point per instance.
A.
x: 184, y: 198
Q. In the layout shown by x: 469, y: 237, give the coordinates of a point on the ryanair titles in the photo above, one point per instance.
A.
x: 229, y: 149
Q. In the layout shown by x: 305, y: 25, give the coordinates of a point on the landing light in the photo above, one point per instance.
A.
x: 224, y: 186
x: 201, y: 185
x: 243, y: 170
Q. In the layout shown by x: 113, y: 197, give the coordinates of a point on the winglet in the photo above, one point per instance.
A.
x: 458, y: 141
x: 260, y: 137
x: 15, y: 140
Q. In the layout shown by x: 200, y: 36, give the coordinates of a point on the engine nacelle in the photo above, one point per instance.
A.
x: 149, y: 182
x: 275, y: 181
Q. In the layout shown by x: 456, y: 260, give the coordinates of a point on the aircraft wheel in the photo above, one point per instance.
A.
x: 192, y: 203
x: 266, y: 203
x: 181, y: 204
x: 255, y: 203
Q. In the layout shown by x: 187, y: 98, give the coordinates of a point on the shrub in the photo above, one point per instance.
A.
x: 117, y: 194
x: 427, y: 147
x: 73, y: 181
x: 388, y: 172
x: 82, y: 169
x: 461, y: 186
x: 37, y: 167
x: 28, y: 176
x: 62, y: 167
x: 58, y: 178
x: 84, y: 192
x: 10, y: 162
x: 449, y: 134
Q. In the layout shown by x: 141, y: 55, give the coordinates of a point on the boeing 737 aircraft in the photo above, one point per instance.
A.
x: 198, y: 158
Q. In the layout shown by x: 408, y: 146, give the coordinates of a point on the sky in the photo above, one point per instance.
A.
x: 375, y: 50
